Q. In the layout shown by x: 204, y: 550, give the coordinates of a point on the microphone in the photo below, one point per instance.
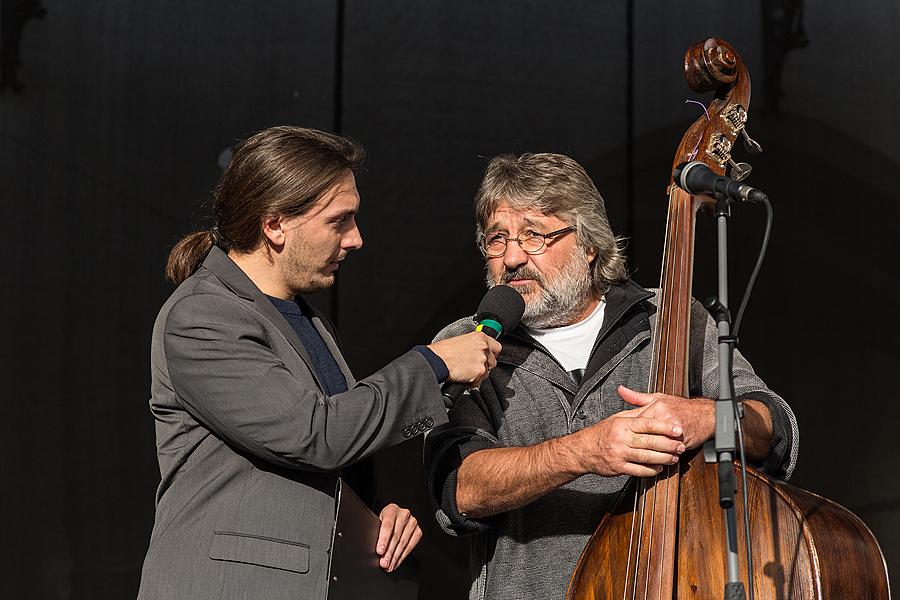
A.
x: 500, y: 311
x: 696, y: 178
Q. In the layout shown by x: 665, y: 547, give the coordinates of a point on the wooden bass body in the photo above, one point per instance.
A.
x: 805, y: 546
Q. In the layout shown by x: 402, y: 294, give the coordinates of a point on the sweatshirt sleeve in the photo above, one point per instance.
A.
x: 704, y: 377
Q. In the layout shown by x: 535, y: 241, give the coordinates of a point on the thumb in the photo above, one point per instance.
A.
x: 634, y: 398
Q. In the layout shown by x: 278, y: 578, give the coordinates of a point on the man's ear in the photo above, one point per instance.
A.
x: 591, y: 254
x: 273, y: 229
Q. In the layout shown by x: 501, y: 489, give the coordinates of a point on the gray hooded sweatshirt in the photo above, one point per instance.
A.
x: 530, y: 552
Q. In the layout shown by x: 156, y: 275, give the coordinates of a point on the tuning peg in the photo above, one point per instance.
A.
x: 750, y: 145
x: 739, y: 171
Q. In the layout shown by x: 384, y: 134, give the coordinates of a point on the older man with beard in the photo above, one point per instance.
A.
x: 538, y: 452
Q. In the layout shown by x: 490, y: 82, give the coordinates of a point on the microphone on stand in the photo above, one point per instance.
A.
x: 499, y: 311
x: 696, y: 178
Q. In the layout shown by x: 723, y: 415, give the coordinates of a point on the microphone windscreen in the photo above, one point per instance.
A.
x: 502, y: 304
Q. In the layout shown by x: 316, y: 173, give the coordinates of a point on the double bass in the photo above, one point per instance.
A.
x: 665, y: 538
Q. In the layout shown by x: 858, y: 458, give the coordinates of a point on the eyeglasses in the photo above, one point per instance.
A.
x: 531, y: 242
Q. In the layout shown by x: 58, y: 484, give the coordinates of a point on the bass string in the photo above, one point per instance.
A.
x: 663, y: 385
x: 671, y: 303
x: 674, y: 311
x: 674, y: 308
x: 634, y: 511
x: 632, y: 570
x: 664, y: 368
x: 683, y: 298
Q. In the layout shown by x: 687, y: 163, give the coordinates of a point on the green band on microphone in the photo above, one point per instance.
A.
x: 490, y: 323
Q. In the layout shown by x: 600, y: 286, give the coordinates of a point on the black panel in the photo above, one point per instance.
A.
x: 434, y: 90
x: 107, y: 156
x: 110, y: 146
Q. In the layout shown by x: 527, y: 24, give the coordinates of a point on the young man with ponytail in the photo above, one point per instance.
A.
x: 256, y: 410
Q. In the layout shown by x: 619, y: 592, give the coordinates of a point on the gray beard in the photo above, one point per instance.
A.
x: 560, y: 300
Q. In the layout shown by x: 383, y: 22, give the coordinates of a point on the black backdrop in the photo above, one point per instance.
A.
x: 114, y: 117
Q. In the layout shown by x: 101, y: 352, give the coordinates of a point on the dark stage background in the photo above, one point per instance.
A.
x: 114, y: 116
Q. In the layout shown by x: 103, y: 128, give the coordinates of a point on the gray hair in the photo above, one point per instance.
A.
x: 556, y: 185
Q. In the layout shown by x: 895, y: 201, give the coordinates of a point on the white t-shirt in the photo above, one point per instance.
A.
x: 571, y: 345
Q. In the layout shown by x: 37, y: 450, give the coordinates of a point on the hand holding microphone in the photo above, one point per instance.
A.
x: 470, y: 357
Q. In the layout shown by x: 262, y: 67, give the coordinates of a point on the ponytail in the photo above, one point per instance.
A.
x: 187, y: 255
x: 279, y: 171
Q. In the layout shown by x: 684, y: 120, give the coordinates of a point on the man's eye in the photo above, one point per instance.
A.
x: 528, y: 234
x: 496, y: 238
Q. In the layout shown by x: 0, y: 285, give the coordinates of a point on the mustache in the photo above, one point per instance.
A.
x: 522, y: 272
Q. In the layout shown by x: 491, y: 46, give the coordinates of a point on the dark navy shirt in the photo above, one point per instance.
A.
x: 327, y: 370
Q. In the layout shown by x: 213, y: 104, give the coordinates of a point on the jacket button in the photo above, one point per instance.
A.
x: 407, y: 432
x: 420, y: 426
x: 429, y: 422
x: 580, y: 414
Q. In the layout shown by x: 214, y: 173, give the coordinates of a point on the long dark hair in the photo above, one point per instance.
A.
x: 279, y: 171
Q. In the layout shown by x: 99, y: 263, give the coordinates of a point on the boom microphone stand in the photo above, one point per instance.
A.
x: 726, y: 407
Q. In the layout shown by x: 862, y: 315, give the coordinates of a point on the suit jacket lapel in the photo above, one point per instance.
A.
x: 322, y: 326
x: 238, y: 282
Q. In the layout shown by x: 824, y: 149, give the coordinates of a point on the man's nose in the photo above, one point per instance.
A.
x: 515, y: 256
x: 353, y: 240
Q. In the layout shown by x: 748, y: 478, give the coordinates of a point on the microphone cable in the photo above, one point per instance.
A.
x: 756, y: 268
x: 737, y: 412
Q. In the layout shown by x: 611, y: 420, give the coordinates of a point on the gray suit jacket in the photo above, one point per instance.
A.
x: 250, y: 447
